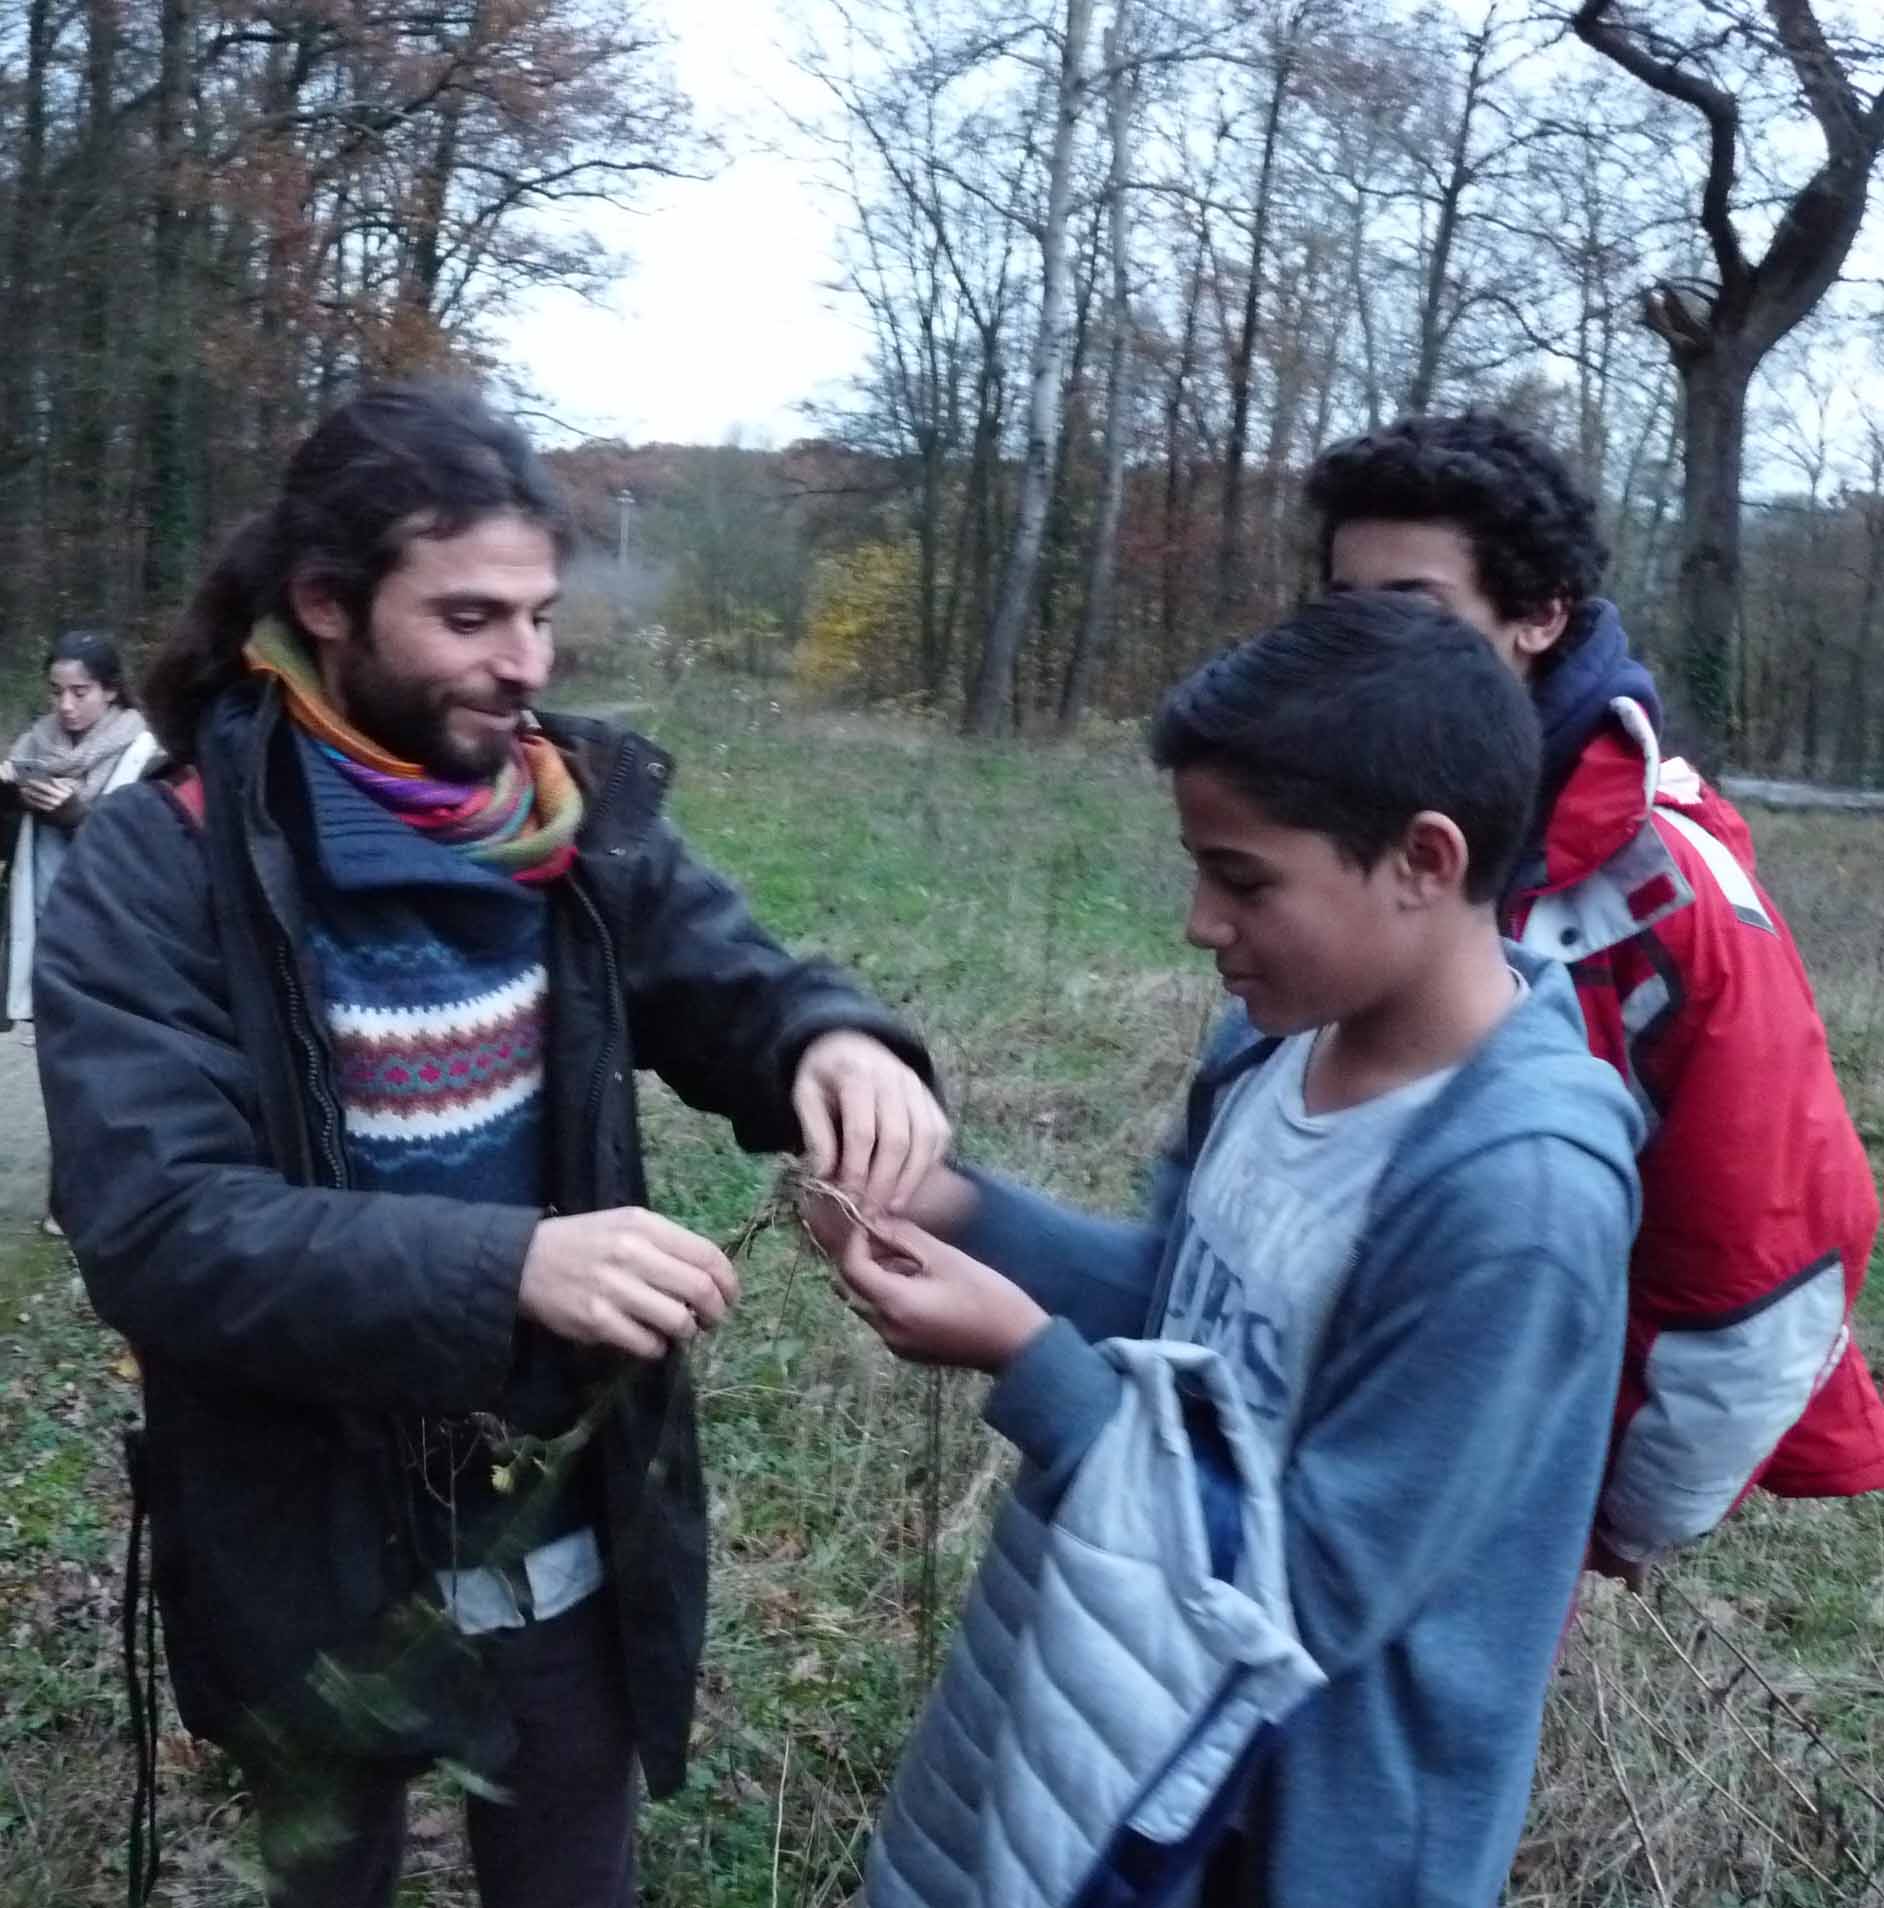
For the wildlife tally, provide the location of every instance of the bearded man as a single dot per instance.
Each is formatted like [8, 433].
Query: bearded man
[339, 1025]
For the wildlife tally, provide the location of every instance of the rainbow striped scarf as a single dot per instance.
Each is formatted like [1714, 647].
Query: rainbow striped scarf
[522, 822]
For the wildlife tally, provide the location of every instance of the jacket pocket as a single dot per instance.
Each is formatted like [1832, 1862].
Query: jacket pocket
[292, 1610]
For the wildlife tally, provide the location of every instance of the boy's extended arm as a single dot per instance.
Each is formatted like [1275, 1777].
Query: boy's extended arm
[1096, 1273]
[1096, 1277]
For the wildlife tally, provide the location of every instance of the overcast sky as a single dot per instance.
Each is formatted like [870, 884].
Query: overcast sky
[721, 322]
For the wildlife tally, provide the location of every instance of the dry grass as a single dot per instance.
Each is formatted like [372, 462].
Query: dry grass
[1023, 904]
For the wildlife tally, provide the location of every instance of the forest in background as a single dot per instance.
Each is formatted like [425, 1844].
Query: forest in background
[1127, 265]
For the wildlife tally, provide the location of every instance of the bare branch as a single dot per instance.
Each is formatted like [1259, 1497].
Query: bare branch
[1596, 24]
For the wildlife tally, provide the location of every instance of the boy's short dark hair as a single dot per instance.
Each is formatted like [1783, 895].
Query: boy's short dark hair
[1353, 715]
[1531, 525]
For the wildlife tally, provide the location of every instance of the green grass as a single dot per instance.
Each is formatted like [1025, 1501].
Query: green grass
[1022, 905]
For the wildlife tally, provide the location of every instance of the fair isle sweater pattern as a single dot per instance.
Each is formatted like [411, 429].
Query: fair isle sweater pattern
[438, 1055]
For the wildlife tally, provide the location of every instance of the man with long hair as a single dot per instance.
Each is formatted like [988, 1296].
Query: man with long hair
[339, 1026]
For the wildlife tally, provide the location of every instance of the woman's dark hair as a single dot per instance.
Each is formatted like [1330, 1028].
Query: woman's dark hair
[1531, 525]
[96, 651]
[1356, 713]
[420, 459]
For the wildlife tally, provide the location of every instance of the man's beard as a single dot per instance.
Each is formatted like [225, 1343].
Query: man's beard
[410, 720]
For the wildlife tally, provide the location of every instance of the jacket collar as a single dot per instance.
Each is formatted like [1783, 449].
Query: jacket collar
[1605, 874]
[1574, 699]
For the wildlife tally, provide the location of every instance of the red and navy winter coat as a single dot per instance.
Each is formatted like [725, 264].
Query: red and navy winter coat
[1759, 1207]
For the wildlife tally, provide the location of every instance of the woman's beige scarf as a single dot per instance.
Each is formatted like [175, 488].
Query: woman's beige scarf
[46, 753]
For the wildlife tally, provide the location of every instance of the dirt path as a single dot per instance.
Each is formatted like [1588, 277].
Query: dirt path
[22, 1135]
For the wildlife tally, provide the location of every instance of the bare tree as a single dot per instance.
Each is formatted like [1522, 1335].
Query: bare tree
[1102, 564]
[1283, 68]
[991, 699]
[1718, 328]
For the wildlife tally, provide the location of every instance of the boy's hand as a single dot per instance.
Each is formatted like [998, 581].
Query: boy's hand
[869, 1123]
[1606, 1563]
[929, 1302]
[942, 1203]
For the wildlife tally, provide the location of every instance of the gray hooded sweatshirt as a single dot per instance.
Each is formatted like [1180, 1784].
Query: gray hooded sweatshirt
[1443, 1459]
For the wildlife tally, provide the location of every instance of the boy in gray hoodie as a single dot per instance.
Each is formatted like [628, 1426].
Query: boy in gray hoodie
[1401, 1211]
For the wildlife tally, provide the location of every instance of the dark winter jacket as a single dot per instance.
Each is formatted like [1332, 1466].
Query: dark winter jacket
[287, 1326]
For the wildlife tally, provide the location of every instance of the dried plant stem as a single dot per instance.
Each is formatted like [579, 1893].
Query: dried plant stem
[1608, 1740]
[1668, 1741]
[1839, 1762]
[798, 1186]
[778, 1827]
[1718, 1699]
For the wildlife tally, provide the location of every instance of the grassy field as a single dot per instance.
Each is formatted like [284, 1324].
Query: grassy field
[1709, 1745]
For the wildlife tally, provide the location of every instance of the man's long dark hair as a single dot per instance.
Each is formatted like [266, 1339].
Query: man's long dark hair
[397, 462]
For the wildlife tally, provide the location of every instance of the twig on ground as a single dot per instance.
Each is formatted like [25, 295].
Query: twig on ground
[1717, 1698]
[1668, 1741]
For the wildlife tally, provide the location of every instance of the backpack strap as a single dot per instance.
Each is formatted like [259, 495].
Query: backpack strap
[144, 1855]
[184, 786]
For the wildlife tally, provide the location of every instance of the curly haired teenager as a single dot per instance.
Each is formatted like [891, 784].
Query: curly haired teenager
[1758, 1202]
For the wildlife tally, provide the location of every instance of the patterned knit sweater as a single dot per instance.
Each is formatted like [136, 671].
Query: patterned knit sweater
[434, 989]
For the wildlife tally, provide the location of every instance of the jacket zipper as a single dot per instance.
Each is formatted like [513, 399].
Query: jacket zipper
[598, 1081]
[612, 968]
[332, 1156]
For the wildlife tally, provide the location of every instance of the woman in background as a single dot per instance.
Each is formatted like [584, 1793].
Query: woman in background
[91, 742]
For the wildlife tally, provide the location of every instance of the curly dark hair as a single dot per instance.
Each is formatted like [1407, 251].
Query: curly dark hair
[1531, 525]
[425, 458]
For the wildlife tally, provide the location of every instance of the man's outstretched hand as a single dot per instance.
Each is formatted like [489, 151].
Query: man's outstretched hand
[868, 1122]
[626, 1278]
[930, 1302]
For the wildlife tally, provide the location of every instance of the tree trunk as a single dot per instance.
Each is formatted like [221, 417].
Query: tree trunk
[991, 702]
[1229, 584]
[1854, 721]
[417, 325]
[1433, 329]
[1178, 457]
[90, 390]
[168, 513]
[1089, 646]
[1718, 334]
[1714, 418]
[968, 569]
[1056, 546]
[19, 325]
